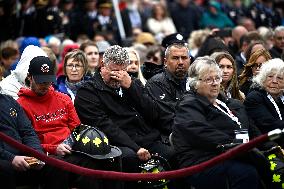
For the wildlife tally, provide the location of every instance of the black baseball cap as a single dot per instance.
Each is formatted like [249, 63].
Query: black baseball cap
[175, 38]
[42, 69]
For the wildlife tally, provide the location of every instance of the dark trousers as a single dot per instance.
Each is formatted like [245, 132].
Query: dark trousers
[84, 182]
[230, 174]
[131, 162]
[47, 177]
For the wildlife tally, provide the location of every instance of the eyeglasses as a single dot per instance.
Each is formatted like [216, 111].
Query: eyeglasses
[76, 66]
[257, 66]
[211, 80]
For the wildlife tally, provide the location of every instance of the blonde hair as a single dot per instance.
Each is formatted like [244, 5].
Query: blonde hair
[140, 75]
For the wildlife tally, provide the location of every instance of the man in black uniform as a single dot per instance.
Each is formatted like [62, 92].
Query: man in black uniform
[168, 87]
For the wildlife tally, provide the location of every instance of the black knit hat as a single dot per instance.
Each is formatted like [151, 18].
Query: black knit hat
[42, 69]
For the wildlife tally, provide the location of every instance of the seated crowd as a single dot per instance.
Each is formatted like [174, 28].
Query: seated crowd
[130, 104]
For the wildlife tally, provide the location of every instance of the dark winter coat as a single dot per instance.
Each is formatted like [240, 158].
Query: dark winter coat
[126, 119]
[167, 91]
[199, 128]
[14, 123]
[276, 52]
[262, 111]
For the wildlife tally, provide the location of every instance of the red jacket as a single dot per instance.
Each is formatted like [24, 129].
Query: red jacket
[53, 116]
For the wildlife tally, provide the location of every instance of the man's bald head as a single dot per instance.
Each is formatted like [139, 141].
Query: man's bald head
[237, 33]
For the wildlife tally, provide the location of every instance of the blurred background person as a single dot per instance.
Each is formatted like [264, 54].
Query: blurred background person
[196, 39]
[214, 17]
[254, 46]
[8, 56]
[252, 68]
[160, 24]
[92, 52]
[134, 68]
[153, 63]
[277, 50]
[186, 16]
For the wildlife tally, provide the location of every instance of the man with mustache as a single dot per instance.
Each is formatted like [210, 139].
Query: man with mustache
[168, 87]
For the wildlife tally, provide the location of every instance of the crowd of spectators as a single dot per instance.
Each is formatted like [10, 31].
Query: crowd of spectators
[151, 70]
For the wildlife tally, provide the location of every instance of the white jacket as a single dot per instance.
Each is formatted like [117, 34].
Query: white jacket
[12, 83]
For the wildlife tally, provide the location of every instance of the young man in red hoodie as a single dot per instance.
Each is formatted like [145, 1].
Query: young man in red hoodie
[52, 113]
[53, 116]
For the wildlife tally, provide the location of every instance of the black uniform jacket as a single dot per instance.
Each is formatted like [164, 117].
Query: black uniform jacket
[166, 91]
[15, 123]
[262, 111]
[127, 120]
[199, 128]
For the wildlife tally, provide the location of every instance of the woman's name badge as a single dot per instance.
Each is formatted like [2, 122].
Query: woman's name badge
[242, 134]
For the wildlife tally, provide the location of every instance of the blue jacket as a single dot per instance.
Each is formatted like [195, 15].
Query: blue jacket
[61, 85]
[14, 123]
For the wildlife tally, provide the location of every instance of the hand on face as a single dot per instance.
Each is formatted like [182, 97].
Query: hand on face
[122, 77]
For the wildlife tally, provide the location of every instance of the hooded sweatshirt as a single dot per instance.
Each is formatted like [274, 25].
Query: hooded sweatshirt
[12, 83]
[53, 116]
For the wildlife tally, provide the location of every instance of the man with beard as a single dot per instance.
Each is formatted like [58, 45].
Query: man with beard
[167, 87]
[119, 106]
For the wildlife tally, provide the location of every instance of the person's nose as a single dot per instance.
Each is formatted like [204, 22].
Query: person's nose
[274, 79]
[225, 70]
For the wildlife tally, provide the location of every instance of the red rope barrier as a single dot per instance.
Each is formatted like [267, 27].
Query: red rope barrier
[135, 176]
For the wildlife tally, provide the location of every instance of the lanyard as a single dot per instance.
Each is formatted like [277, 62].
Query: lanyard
[228, 112]
[275, 105]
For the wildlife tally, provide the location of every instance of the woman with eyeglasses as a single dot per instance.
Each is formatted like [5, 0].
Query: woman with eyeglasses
[265, 102]
[75, 68]
[229, 84]
[205, 123]
[252, 68]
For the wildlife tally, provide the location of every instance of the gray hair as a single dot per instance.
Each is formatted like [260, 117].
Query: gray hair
[117, 55]
[177, 45]
[200, 68]
[278, 29]
[275, 66]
